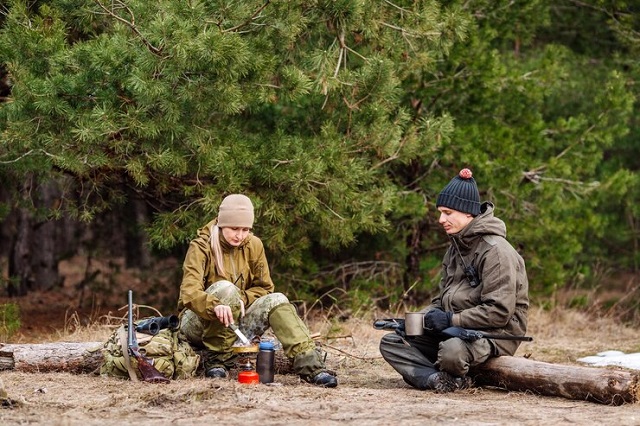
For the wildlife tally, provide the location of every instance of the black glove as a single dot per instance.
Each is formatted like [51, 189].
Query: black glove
[394, 324]
[437, 320]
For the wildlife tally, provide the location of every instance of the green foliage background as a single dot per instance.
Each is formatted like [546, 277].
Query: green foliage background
[342, 120]
[9, 320]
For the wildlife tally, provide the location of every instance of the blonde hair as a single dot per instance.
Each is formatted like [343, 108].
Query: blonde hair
[217, 250]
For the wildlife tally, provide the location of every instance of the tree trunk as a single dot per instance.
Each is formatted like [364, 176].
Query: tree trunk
[35, 253]
[7, 226]
[46, 249]
[35, 243]
[51, 357]
[602, 385]
[20, 272]
[138, 254]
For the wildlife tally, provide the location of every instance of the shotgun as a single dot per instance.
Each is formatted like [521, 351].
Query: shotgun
[145, 366]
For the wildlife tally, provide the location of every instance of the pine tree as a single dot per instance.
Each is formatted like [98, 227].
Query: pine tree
[297, 104]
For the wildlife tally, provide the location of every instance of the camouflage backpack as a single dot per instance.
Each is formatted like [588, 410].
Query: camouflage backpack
[173, 357]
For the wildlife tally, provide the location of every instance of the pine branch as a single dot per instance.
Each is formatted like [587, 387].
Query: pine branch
[26, 154]
[248, 21]
[130, 24]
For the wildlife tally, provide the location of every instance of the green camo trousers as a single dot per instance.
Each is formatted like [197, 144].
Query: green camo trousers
[272, 310]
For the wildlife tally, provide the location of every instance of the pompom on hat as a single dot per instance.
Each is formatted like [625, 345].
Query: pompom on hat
[461, 194]
[236, 211]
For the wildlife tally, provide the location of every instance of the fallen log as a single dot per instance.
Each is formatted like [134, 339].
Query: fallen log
[51, 357]
[601, 385]
[78, 357]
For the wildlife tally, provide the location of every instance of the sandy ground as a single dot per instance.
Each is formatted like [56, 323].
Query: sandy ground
[370, 392]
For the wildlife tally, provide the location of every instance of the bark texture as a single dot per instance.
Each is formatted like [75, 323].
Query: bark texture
[595, 384]
[83, 357]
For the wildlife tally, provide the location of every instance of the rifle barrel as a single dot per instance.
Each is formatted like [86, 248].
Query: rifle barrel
[507, 337]
[130, 336]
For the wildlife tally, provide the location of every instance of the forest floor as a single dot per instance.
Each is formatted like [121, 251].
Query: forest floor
[369, 392]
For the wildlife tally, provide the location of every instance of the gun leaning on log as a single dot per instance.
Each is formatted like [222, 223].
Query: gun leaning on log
[145, 366]
[397, 324]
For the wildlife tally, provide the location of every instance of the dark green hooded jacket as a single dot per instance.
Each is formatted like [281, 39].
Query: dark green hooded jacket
[500, 302]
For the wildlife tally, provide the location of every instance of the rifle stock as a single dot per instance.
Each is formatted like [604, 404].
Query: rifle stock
[147, 371]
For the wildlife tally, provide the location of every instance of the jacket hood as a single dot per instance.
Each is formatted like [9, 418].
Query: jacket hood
[483, 224]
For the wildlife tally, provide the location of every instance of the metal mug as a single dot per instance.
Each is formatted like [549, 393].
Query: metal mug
[414, 323]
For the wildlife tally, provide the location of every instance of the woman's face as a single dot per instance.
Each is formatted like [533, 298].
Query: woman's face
[235, 236]
[453, 221]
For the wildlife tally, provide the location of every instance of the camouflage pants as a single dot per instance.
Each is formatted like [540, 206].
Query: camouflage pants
[272, 310]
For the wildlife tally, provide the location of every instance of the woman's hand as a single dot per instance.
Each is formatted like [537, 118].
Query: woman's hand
[225, 315]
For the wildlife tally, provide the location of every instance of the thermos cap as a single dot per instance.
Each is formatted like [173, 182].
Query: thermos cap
[266, 346]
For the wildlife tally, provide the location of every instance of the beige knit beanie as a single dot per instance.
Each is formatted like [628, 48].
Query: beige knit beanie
[236, 211]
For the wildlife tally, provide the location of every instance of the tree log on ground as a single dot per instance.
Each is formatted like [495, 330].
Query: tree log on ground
[595, 384]
[82, 357]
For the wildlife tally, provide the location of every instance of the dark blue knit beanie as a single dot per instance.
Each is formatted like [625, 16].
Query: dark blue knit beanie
[461, 194]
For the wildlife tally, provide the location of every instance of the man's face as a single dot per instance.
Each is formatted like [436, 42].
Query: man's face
[453, 221]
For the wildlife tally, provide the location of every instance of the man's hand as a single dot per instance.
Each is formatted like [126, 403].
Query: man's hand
[437, 320]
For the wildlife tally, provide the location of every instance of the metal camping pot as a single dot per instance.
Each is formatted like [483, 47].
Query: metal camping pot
[414, 323]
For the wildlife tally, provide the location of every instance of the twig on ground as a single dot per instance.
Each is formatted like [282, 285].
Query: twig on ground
[324, 345]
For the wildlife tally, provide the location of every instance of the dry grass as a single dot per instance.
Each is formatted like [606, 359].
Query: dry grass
[370, 392]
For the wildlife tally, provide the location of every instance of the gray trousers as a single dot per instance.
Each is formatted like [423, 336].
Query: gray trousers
[416, 358]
